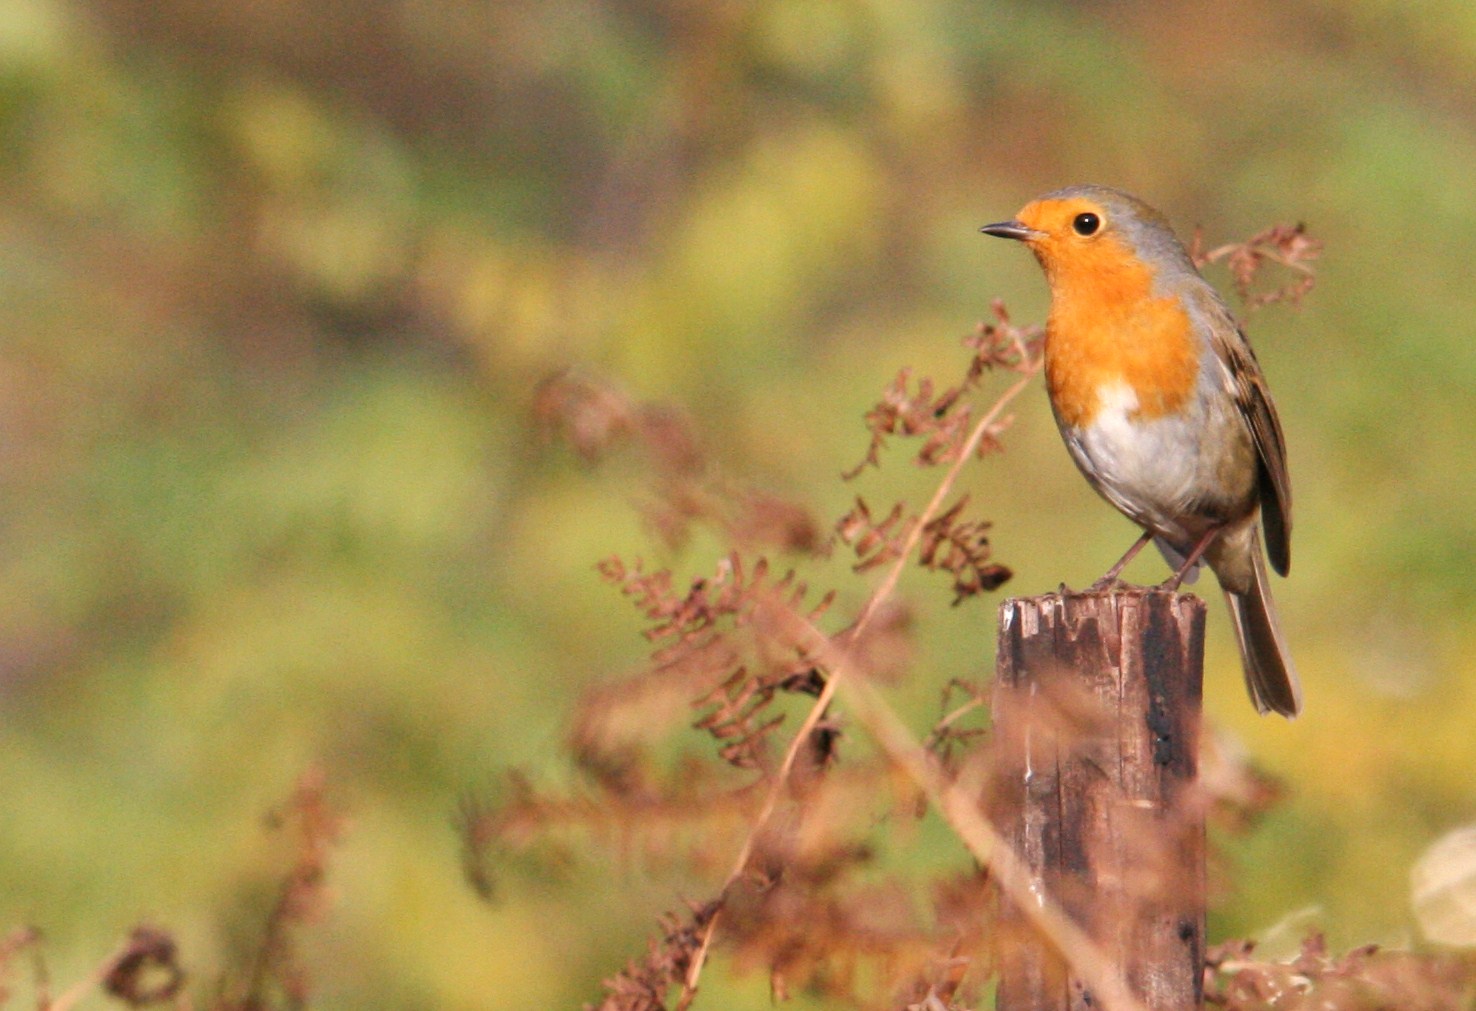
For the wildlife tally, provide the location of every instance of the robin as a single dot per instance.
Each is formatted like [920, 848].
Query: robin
[1164, 408]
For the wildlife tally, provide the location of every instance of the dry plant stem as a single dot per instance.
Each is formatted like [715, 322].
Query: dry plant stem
[94, 979]
[957, 714]
[827, 693]
[945, 487]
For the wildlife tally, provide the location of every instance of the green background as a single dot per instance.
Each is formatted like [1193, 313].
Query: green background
[276, 283]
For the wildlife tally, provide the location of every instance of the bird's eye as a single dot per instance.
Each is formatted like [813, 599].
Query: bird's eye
[1086, 223]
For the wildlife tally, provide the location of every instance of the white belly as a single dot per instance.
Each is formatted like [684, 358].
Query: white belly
[1152, 470]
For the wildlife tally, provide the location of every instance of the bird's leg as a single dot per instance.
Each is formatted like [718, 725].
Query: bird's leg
[1110, 579]
[1171, 584]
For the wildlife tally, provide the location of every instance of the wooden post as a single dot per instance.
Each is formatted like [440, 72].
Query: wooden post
[1096, 713]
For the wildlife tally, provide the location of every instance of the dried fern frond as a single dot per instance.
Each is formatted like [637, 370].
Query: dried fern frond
[943, 421]
[1287, 246]
[1364, 979]
[646, 985]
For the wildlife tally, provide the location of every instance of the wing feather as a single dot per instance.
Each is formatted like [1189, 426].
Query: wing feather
[1254, 401]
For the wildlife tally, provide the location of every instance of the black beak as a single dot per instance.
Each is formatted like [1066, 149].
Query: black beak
[1012, 230]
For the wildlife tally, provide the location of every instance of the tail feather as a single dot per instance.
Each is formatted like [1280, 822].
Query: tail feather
[1269, 675]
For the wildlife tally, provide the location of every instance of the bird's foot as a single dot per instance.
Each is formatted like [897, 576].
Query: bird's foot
[1107, 584]
[1171, 584]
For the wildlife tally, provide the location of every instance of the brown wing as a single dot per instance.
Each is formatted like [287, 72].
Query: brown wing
[1254, 400]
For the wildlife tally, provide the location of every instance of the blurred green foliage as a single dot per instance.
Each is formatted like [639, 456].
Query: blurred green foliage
[276, 281]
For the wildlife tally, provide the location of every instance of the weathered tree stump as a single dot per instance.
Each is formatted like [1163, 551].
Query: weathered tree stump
[1096, 712]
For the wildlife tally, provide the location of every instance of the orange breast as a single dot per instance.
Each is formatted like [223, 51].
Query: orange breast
[1107, 327]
